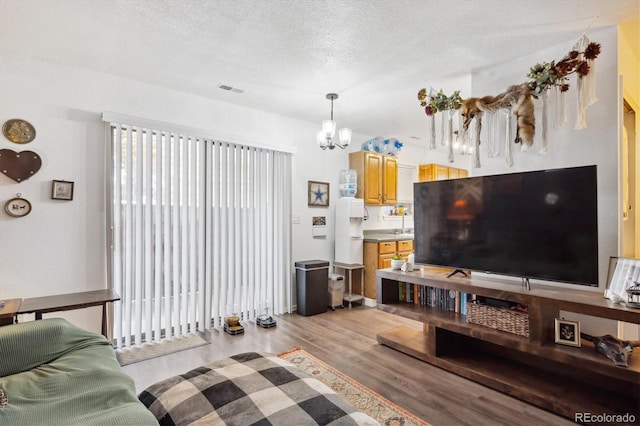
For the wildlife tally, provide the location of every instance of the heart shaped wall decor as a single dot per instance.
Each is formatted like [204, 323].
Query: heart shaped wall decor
[19, 166]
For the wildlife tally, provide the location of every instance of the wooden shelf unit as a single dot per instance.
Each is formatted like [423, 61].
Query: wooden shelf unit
[563, 379]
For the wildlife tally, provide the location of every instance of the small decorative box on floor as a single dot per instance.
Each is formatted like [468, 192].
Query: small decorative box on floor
[514, 319]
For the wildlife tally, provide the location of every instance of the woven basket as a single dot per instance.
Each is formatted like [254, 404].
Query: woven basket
[509, 320]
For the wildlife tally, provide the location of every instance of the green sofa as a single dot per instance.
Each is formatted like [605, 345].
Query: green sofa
[54, 373]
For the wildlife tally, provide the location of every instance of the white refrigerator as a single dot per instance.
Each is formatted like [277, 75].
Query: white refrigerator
[349, 235]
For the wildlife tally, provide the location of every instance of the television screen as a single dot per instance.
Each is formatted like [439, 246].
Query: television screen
[540, 224]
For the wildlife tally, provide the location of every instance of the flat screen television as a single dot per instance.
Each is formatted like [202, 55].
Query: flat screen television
[534, 225]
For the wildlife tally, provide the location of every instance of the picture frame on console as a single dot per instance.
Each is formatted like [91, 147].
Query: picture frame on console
[567, 332]
[623, 273]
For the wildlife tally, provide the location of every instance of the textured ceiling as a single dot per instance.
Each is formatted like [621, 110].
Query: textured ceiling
[286, 55]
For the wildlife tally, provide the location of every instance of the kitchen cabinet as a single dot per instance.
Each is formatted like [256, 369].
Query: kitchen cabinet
[377, 177]
[378, 255]
[430, 172]
[386, 251]
[385, 255]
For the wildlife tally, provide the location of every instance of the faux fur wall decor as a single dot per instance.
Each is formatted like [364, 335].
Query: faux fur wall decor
[518, 99]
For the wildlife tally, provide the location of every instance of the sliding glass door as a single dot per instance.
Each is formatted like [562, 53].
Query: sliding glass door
[196, 225]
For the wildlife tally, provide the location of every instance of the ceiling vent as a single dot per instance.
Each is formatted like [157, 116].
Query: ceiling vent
[230, 89]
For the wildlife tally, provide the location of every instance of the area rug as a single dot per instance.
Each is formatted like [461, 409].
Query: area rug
[364, 399]
[156, 349]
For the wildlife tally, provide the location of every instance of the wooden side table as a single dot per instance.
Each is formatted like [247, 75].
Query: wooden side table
[9, 311]
[70, 301]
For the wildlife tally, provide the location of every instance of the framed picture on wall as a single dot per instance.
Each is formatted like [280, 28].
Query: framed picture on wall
[318, 194]
[62, 190]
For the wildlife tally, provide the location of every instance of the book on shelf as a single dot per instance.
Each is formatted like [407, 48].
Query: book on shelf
[433, 297]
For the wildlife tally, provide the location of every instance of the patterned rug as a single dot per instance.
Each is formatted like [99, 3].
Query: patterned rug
[146, 351]
[364, 399]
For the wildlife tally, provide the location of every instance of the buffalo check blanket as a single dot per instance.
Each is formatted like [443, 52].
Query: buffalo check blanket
[249, 389]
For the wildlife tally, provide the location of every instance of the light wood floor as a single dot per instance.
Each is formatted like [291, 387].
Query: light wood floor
[346, 340]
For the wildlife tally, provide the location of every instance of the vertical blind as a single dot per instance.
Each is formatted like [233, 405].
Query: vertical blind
[197, 226]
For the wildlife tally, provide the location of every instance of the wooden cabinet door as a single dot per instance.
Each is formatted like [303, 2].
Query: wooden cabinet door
[387, 247]
[373, 179]
[457, 173]
[441, 172]
[424, 172]
[384, 260]
[386, 251]
[405, 247]
[390, 180]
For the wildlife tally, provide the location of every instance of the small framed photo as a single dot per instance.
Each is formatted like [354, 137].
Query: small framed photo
[62, 190]
[318, 194]
[567, 332]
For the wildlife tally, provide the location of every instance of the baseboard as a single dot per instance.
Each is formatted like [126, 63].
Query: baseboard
[367, 302]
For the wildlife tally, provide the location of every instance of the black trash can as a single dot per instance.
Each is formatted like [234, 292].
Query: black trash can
[311, 286]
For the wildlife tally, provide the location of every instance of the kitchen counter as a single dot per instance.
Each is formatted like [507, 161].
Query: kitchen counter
[379, 237]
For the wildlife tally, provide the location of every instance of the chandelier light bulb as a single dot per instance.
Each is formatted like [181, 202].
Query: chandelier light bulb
[345, 136]
[329, 128]
[321, 138]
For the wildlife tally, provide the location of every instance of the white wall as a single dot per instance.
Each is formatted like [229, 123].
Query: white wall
[417, 151]
[597, 144]
[60, 246]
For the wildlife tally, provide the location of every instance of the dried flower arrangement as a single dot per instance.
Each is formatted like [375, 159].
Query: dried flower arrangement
[433, 103]
[548, 74]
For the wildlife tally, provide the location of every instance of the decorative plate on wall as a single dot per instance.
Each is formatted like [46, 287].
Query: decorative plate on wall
[18, 131]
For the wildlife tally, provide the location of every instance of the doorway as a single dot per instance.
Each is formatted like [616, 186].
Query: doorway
[630, 152]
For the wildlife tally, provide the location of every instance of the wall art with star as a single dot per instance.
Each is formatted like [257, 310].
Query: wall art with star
[318, 194]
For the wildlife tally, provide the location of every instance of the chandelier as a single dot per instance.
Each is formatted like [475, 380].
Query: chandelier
[325, 136]
[464, 147]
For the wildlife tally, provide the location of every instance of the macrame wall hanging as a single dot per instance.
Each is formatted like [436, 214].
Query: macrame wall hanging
[547, 81]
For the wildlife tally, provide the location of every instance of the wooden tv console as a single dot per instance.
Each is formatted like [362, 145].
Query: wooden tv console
[563, 379]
